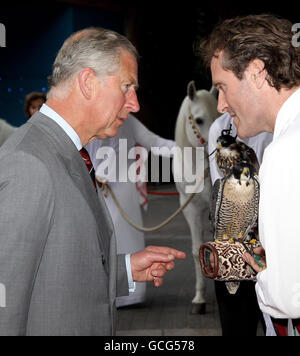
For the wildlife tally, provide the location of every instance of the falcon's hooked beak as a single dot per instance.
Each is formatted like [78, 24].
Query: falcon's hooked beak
[246, 173]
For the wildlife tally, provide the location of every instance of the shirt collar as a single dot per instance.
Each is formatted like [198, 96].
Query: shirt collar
[46, 110]
[287, 113]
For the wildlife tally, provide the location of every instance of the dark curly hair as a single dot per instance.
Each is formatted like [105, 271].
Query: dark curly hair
[265, 37]
[30, 98]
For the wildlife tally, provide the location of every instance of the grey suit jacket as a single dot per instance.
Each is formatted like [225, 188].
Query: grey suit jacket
[58, 259]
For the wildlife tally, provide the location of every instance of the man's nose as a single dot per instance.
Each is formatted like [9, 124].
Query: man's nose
[132, 102]
[222, 104]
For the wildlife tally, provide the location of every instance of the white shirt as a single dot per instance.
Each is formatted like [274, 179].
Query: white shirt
[257, 143]
[278, 287]
[46, 110]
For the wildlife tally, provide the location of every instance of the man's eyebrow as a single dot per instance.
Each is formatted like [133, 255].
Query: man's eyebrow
[133, 82]
[217, 84]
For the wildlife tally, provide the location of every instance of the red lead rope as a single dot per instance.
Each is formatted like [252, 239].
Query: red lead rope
[161, 193]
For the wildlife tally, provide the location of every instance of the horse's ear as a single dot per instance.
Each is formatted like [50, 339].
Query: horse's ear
[214, 91]
[191, 90]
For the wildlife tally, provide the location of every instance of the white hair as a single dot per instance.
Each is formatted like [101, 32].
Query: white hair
[95, 48]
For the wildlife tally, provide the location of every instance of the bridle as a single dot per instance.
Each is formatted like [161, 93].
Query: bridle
[193, 124]
[197, 133]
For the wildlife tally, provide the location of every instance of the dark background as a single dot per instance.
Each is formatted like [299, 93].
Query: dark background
[165, 34]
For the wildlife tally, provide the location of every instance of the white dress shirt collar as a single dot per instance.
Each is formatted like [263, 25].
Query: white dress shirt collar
[287, 114]
[46, 110]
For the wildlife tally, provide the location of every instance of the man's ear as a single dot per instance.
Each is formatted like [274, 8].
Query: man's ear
[86, 81]
[257, 71]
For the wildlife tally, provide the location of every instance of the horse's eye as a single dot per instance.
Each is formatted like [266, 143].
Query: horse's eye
[199, 121]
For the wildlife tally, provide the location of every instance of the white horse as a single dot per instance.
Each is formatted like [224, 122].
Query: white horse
[197, 113]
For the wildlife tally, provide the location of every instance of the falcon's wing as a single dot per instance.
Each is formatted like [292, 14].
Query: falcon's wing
[249, 155]
[256, 200]
[255, 206]
[215, 201]
[235, 155]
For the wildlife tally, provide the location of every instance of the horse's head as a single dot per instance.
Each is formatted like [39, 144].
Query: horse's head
[198, 110]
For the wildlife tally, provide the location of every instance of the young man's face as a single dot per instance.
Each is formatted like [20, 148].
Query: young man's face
[238, 98]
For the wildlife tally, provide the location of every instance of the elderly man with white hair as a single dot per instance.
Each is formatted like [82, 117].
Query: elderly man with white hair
[58, 259]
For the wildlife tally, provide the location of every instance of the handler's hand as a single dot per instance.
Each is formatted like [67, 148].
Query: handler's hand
[153, 263]
[251, 261]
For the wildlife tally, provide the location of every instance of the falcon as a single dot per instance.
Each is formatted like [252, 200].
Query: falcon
[234, 203]
[229, 152]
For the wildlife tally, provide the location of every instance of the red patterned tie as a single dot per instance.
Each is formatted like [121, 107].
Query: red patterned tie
[85, 155]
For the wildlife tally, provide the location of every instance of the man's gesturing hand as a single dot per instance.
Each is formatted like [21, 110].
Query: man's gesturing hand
[153, 263]
[257, 266]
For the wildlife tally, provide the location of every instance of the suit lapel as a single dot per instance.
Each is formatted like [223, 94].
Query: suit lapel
[80, 176]
[82, 180]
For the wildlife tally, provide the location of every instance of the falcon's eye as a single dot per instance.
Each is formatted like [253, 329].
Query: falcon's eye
[199, 121]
